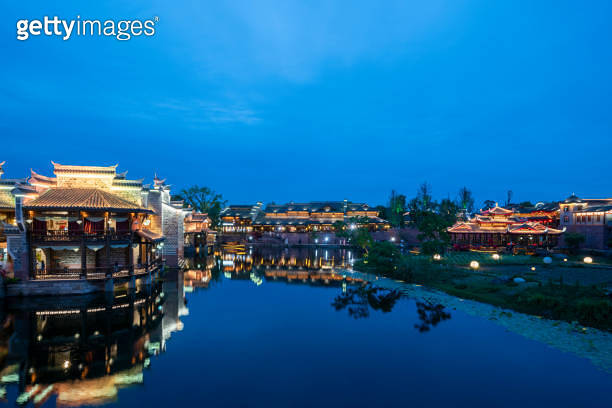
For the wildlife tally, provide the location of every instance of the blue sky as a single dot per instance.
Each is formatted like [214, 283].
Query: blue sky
[314, 100]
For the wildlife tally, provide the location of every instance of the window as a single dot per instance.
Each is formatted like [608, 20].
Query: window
[566, 218]
[598, 218]
[589, 218]
[566, 208]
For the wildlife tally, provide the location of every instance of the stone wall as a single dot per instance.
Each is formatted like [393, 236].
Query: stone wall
[596, 235]
[17, 247]
[173, 230]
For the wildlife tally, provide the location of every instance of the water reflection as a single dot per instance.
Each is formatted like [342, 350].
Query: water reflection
[430, 314]
[82, 350]
[358, 301]
[311, 266]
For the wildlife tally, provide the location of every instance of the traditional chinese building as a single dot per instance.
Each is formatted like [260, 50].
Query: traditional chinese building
[313, 222]
[91, 223]
[543, 213]
[498, 228]
[198, 234]
[590, 217]
[318, 216]
[239, 218]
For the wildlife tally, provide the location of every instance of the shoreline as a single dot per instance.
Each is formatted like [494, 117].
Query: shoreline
[590, 343]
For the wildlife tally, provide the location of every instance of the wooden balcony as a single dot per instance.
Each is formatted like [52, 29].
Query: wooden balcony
[98, 273]
[78, 236]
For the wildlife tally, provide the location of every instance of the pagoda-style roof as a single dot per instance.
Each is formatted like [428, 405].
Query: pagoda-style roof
[77, 170]
[532, 228]
[82, 199]
[497, 210]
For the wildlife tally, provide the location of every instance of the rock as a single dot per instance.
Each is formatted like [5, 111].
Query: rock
[519, 280]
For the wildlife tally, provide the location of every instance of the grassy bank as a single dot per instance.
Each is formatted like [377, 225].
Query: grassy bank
[554, 299]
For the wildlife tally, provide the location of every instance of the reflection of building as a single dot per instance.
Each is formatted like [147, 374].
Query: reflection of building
[590, 217]
[499, 227]
[88, 223]
[82, 351]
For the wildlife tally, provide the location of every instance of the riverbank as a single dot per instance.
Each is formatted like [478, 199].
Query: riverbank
[520, 287]
[593, 344]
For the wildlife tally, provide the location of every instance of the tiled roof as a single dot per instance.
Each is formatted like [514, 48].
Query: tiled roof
[149, 235]
[7, 201]
[69, 169]
[596, 208]
[82, 199]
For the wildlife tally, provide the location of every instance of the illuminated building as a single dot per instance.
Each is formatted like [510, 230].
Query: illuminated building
[498, 227]
[590, 217]
[90, 223]
[239, 218]
[317, 217]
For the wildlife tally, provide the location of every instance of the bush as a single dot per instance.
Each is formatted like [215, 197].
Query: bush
[595, 312]
[542, 301]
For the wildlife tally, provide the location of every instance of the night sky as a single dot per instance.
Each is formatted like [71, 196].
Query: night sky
[321, 100]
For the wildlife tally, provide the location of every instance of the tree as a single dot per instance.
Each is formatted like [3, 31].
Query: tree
[396, 210]
[526, 204]
[340, 229]
[432, 219]
[573, 241]
[489, 204]
[362, 238]
[466, 200]
[204, 200]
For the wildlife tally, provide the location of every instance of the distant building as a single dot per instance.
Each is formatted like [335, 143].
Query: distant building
[498, 228]
[590, 217]
[318, 216]
[239, 218]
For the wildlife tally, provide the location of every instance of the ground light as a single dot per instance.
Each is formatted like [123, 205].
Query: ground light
[533, 268]
[588, 260]
[474, 265]
[496, 257]
[437, 257]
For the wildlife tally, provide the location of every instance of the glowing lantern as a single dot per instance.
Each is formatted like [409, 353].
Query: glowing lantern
[496, 257]
[588, 260]
[474, 265]
[533, 268]
[437, 257]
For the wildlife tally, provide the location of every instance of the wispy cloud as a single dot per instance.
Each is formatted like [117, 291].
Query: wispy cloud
[196, 112]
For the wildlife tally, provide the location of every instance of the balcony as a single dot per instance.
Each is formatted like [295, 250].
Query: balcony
[97, 273]
[78, 236]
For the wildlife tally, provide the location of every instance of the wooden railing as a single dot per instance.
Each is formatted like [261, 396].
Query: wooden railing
[97, 273]
[57, 235]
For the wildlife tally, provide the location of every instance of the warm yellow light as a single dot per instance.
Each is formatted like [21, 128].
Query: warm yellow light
[588, 260]
[437, 257]
[66, 364]
[496, 257]
[533, 268]
[474, 265]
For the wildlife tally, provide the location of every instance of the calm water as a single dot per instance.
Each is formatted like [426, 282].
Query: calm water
[277, 329]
